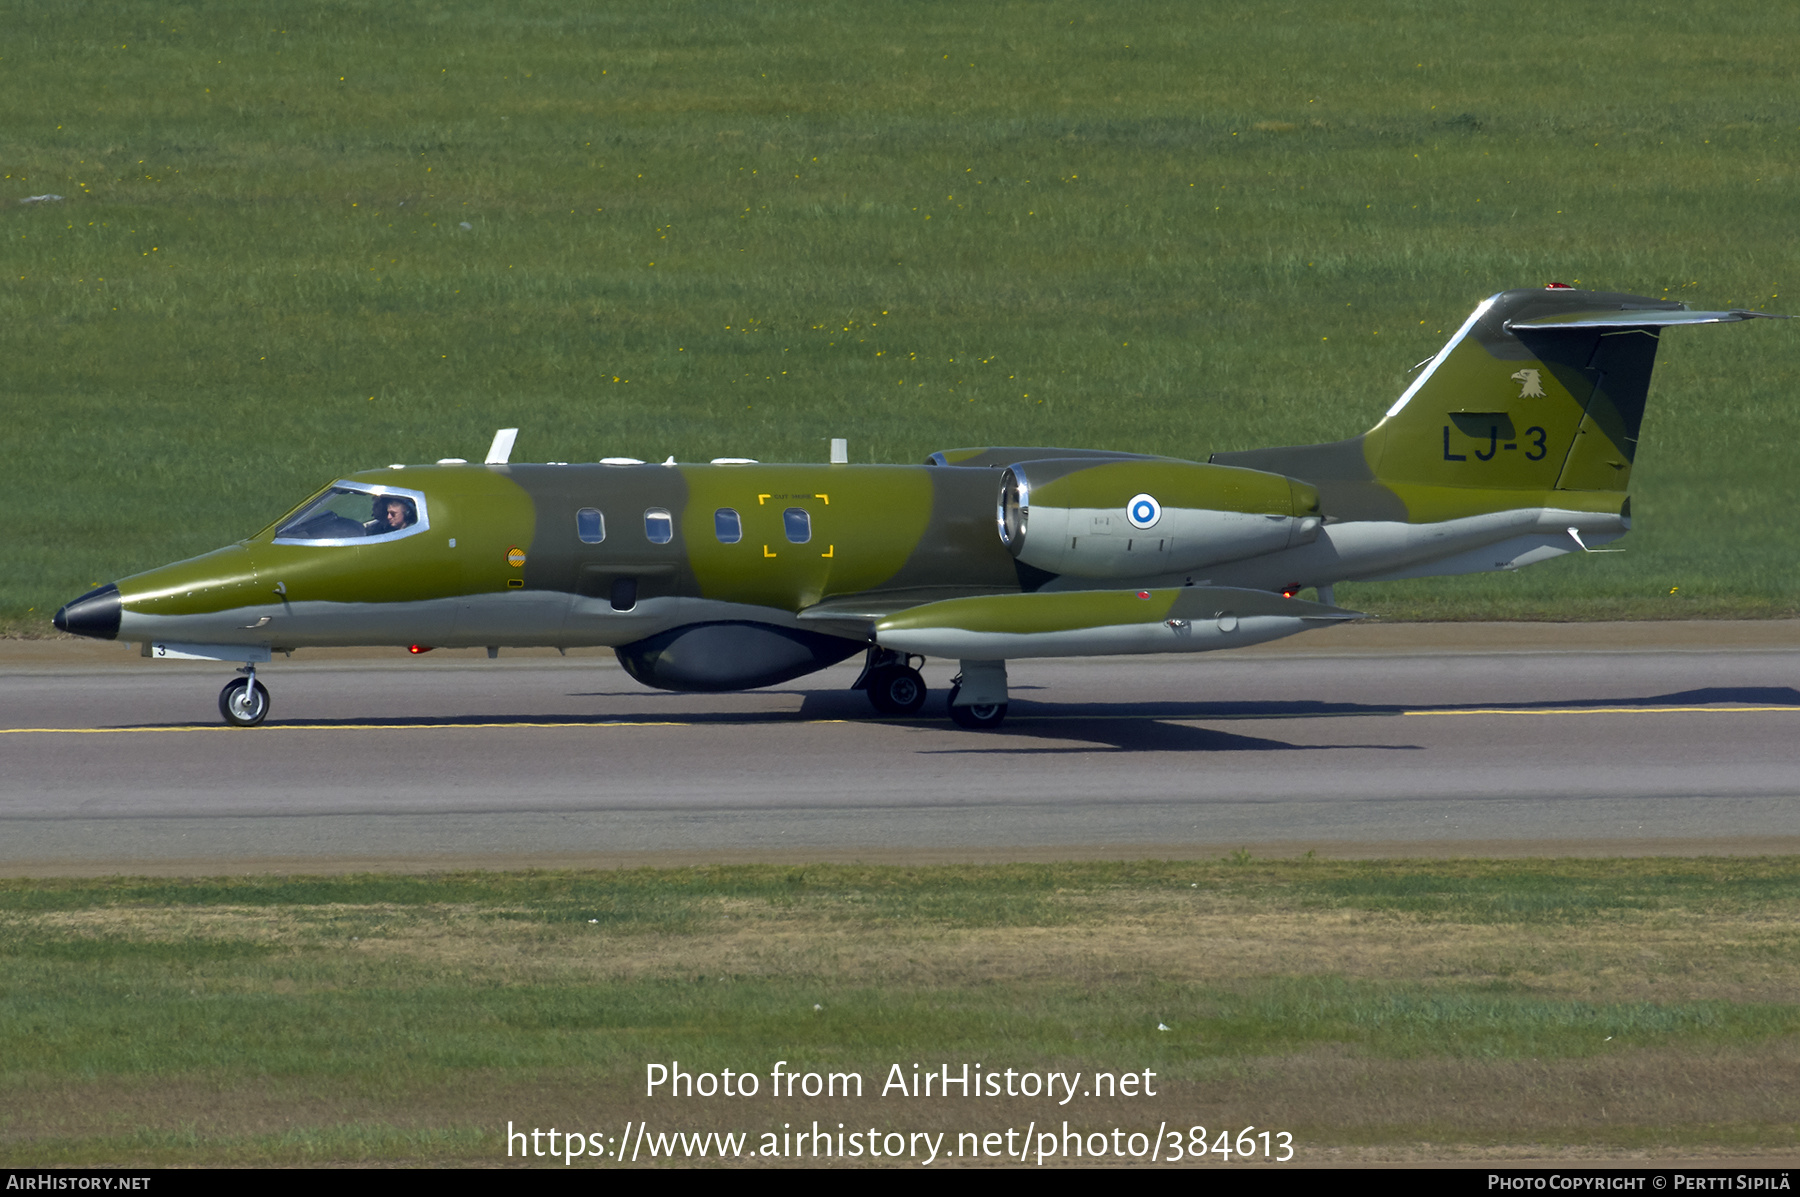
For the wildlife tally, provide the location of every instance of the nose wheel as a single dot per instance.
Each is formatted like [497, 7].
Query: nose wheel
[244, 701]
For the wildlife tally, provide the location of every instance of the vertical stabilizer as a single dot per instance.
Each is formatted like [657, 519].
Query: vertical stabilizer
[1538, 391]
[1526, 396]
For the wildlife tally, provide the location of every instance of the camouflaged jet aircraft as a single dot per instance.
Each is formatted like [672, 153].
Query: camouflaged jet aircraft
[1514, 445]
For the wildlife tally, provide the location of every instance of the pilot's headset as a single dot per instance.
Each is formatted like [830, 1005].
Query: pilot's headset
[381, 506]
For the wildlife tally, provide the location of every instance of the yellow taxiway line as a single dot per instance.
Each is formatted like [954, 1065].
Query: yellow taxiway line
[1607, 711]
[597, 723]
[220, 727]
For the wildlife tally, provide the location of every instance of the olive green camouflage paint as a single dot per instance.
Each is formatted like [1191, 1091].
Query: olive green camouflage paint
[872, 528]
[1079, 484]
[484, 509]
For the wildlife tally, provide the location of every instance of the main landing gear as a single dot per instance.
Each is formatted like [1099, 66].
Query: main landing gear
[977, 694]
[244, 701]
[892, 682]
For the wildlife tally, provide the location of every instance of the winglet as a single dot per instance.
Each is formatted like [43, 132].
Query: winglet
[500, 452]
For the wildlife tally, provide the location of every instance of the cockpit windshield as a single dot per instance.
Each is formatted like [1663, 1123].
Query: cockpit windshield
[355, 513]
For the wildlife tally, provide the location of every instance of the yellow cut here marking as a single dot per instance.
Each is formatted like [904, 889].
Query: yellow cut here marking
[832, 551]
[827, 499]
[766, 552]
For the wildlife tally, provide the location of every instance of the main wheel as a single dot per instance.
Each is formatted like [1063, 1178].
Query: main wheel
[982, 717]
[896, 690]
[241, 704]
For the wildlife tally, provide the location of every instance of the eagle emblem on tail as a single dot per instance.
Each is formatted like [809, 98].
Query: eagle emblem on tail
[1530, 387]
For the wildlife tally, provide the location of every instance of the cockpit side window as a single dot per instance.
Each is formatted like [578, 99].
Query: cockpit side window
[350, 513]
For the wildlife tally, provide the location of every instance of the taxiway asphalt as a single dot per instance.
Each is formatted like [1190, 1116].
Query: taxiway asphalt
[1380, 740]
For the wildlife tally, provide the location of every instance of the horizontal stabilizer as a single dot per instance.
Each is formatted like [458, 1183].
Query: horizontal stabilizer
[991, 457]
[1071, 623]
[1634, 318]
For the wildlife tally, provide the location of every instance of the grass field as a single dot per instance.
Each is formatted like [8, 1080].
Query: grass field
[1384, 1010]
[293, 242]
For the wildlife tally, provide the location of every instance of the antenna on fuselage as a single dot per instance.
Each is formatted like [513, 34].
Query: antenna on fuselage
[501, 450]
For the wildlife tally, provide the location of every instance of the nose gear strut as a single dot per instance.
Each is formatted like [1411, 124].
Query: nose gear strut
[244, 701]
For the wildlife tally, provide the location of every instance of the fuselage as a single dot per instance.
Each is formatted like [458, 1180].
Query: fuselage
[572, 555]
[607, 555]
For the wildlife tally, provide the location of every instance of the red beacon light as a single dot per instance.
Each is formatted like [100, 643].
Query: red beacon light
[416, 649]
[1557, 287]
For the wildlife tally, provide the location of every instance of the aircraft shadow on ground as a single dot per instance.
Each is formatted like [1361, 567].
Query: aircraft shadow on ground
[1095, 727]
[1305, 708]
[1164, 726]
[1135, 735]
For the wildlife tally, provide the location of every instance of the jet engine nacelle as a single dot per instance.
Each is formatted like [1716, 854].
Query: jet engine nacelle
[1135, 519]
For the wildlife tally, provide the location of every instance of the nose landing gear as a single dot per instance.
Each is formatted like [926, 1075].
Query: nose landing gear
[244, 701]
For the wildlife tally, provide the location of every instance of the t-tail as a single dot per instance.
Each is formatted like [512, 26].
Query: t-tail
[1514, 444]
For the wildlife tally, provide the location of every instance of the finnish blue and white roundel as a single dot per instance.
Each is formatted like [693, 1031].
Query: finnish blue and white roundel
[1143, 512]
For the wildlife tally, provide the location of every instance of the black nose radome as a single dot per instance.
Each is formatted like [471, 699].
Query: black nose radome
[95, 614]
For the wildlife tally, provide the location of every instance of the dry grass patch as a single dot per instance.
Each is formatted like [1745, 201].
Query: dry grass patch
[1535, 1007]
[1206, 937]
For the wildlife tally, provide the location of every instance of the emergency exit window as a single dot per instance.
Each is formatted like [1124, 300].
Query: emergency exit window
[799, 525]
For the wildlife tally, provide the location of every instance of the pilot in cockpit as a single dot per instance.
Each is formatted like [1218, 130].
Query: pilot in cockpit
[392, 513]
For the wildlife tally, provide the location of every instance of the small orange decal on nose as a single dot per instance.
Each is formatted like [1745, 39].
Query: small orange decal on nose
[515, 557]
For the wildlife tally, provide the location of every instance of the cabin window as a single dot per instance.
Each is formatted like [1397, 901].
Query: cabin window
[350, 513]
[798, 524]
[727, 526]
[590, 525]
[658, 527]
